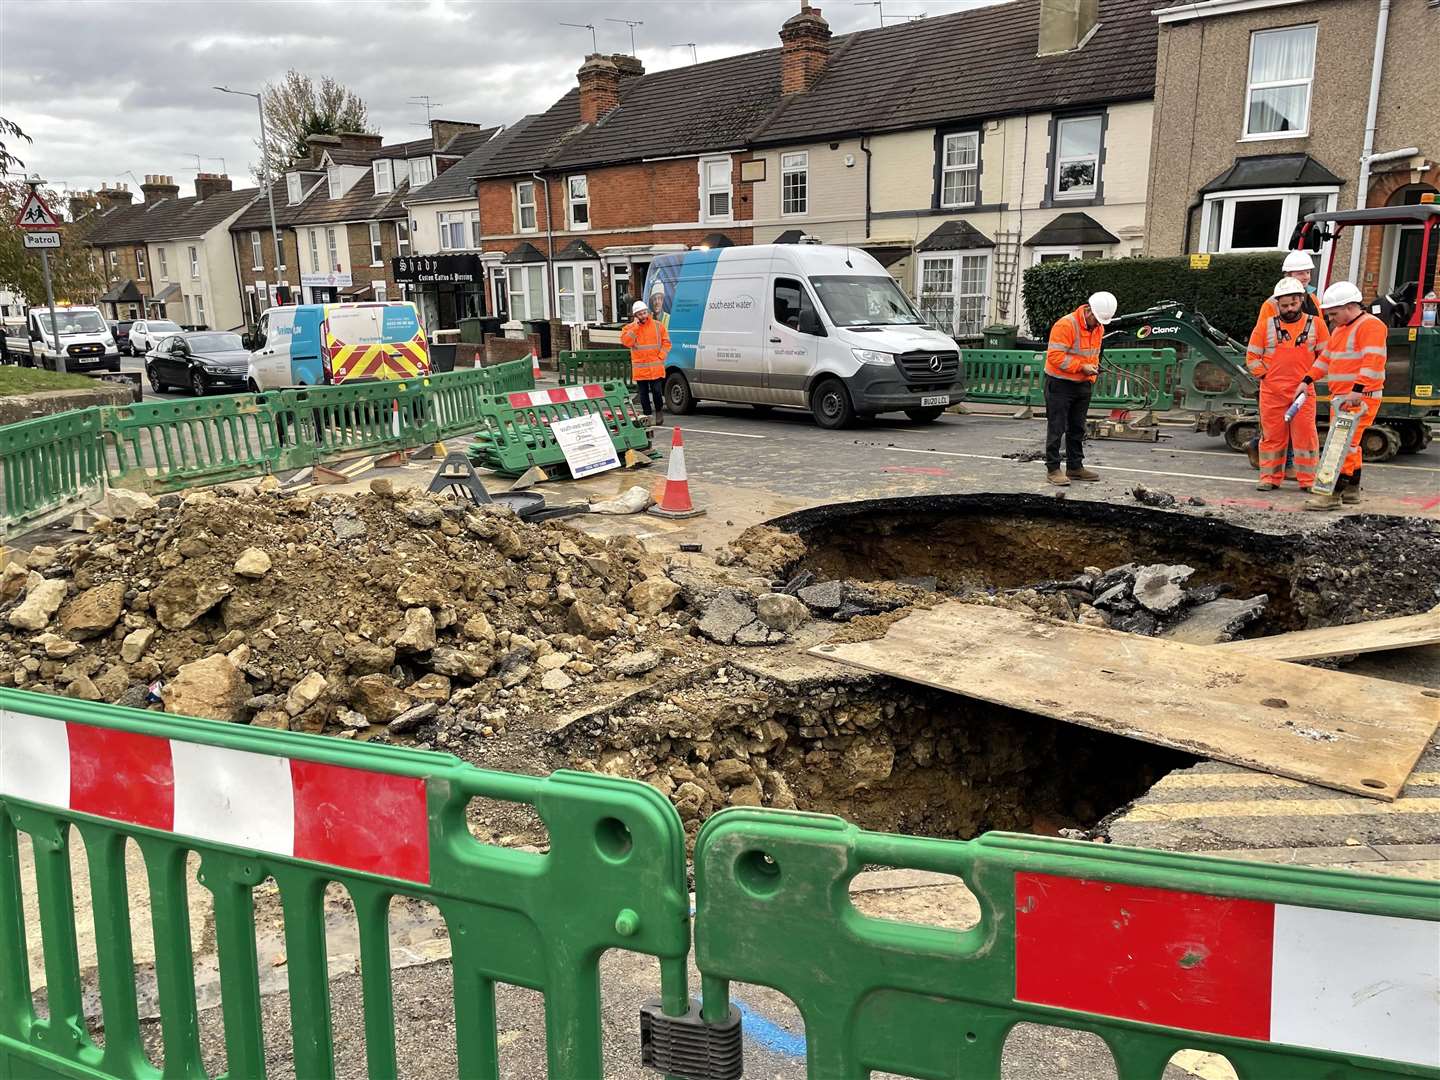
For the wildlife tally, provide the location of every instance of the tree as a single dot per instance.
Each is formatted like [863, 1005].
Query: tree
[10, 129]
[70, 269]
[297, 107]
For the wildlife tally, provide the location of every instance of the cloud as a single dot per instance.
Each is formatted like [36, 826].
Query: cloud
[127, 89]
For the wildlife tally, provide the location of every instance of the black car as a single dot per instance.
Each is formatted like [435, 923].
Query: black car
[202, 360]
[120, 330]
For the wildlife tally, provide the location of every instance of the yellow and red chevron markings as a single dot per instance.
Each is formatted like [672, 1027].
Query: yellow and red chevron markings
[388, 360]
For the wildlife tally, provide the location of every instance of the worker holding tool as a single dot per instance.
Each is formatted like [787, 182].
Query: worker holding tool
[1353, 363]
[649, 345]
[1282, 355]
[1072, 363]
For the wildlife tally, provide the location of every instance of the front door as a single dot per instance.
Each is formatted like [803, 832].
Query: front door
[791, 343]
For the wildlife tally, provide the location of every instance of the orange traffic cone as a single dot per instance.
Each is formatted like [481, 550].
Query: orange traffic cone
[535, 365]
[675, 500]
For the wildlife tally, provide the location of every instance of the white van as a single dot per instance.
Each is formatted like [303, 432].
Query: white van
[85, 339]
[823, 328]
[331, 344]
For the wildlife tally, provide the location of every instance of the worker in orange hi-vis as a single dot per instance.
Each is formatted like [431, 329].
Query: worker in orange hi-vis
[1353, 363]
[1072, 363]
[1282, 354]
[649, 345]
[1300, 266]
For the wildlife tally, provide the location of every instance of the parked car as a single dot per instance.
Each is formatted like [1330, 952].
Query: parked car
[120, 331]
[203, 360]
[145, 334]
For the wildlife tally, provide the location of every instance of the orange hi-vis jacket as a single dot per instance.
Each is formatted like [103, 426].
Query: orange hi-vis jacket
[1281, 354]
[649, 345]
[1355, 357]
[1073, 347]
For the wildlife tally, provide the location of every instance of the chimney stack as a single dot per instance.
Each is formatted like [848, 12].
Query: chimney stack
[1064, 24]
[157, 187]
[599, 79]
[630, 66]
[360, 140]
[804, 49]
[207, 184]
[82, 203]
[113, 198]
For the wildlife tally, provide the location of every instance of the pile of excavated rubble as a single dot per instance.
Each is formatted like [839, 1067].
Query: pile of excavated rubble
[351, 615]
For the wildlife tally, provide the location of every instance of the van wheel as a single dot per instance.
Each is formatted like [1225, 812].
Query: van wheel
[831, 405]
[251, 386]
[926, 415]
[678, 398]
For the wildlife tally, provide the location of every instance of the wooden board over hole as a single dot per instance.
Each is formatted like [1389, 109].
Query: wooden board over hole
[1340, 731]
[1404, 632]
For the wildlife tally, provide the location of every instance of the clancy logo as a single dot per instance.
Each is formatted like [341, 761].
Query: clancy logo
[743, 302]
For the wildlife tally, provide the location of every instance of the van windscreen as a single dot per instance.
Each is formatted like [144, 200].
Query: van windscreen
[865, 301]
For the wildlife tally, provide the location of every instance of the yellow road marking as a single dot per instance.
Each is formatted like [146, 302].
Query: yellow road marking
[1355, 807]
[1258, 779]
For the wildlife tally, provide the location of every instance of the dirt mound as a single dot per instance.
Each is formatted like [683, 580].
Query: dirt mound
[763, 549]
[359, 616]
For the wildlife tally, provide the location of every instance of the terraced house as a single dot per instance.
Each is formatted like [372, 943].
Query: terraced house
[170, 256]
[342, 217]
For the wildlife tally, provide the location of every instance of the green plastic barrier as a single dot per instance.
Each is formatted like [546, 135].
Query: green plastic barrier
[516, 433]
[1001, 376]
[168, 445]
[459, 395]
[307, 811]
[580, 366]
[50, 464]
[1129, 378]
[369, 417]
[1292, 974]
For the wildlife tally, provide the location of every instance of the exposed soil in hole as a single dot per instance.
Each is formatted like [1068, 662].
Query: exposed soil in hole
[884, 754]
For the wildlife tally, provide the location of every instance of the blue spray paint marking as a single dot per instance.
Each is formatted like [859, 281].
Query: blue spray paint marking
[769, 1034]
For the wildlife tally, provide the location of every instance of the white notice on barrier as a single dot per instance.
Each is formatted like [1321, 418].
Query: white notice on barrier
[587, 445]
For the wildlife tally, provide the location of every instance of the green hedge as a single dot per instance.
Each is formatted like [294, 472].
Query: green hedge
[1229, 293]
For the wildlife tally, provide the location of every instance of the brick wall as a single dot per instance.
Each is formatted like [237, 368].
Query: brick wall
[361, 268]
[268, 273]
[498, 350]
[1382, 188]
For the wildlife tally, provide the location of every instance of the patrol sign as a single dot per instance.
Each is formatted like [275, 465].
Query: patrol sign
[42, 240]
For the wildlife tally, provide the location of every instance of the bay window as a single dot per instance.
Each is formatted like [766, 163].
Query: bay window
[526, 289]
[577, 292]
[953, 290]
[1259, 219]
[1277, 93]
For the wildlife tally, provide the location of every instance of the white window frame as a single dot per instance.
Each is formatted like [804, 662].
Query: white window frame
[521, 205]
[402, 238]
[796, 163]
[262, 290]
[572, 201]
[475, 229]
[707, 190]
[524, 277]
[456, 220]
[947, 170]
[332, 250]
[194, 253]
[294, 188]
[335, 181]
[161, 264]
[140, 267]
[314, 235]
[377, 252]
[1250, 86]
[1223, 203]
[114, 259]
[1093, 191]
[416, 171]
[199, 310]
[579, 293]
[1072, 252]
[257, 251]
[384, 176]
[378, 291]
[956, 261]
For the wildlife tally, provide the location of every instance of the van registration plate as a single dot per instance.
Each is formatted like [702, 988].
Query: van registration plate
[938, 399]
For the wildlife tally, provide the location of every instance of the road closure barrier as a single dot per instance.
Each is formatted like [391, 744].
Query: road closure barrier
[515, 433]
[579, 366]
[53, 465]
[1292, 974]
[308, 811]
[1144, 379]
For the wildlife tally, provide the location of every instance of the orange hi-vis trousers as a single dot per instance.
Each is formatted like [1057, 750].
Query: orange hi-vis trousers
[1276, 435]
[1353, 459]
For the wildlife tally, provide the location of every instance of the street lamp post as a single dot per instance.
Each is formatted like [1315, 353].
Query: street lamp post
[264, 168]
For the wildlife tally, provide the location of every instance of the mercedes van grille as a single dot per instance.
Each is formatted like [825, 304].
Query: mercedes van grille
[929, 366]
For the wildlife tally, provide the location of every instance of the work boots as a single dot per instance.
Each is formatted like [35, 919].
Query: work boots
[1333, 501]
[1350, 493]
[659, 415]
[1058, 478]
[1082, 473]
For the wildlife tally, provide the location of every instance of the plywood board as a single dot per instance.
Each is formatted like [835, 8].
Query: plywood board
[1325, 727]
[1380, 635]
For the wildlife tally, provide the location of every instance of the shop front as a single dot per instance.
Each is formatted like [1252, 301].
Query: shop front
[446, 288]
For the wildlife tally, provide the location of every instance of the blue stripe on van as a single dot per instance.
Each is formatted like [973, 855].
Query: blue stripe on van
[687, 304]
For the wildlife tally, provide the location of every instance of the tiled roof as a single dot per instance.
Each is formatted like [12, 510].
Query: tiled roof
[360, 203]
[969, 65]
[529, 150]
[955, 236]
[1070, 230]
[413, 148]
[1272, 170]
[466, 141]
[169, 219]
[454, 183]
[341, 155]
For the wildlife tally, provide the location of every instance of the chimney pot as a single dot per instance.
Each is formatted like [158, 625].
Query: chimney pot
[804, 49]
[207, 184]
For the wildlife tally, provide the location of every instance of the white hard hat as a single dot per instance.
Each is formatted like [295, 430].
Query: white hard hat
[1341, 293]
[639, 306]
[1102, 306]
[1288, 286]
[1298, 260]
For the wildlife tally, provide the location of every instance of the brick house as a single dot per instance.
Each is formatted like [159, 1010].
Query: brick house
[1286, 87]
[622, 168]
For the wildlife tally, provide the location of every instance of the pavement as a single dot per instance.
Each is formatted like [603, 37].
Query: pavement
[745, 468]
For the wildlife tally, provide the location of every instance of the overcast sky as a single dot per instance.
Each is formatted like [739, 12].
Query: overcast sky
[110, 88]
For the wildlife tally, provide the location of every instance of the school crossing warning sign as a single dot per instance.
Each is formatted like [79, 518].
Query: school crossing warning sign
[34, 214]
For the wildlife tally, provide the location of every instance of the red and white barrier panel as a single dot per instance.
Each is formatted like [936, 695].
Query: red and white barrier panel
[353, 818]
[523, 399]
[1339, 981]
